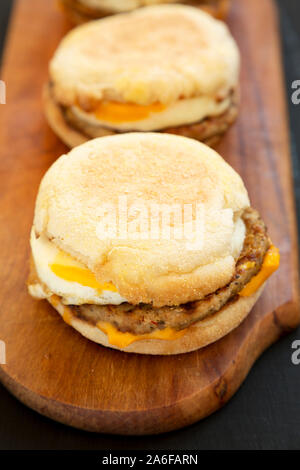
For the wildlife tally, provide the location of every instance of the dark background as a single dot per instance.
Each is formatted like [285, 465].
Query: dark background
[264, 414]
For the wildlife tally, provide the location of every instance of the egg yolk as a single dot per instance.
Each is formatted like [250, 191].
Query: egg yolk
[114, 112]
[270, 265]
[68, 269]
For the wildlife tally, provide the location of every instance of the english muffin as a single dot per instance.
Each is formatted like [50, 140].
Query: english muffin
[171, 69]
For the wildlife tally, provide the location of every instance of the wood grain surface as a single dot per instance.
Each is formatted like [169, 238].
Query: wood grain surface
[49, 366]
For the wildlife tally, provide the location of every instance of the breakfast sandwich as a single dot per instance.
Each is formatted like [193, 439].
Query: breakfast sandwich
[170, 68]
[80, 11]
[147, 243]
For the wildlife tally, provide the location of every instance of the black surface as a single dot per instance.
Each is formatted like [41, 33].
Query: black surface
[264, 414]
[5, 9]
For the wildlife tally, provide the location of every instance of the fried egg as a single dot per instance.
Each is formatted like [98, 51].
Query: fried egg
[66, 277]
[128, 116]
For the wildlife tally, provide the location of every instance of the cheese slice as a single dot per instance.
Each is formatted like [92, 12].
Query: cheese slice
[122, 340]
[67, 315]
[270, 265]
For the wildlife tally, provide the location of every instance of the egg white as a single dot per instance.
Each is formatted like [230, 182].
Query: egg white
[72, 293]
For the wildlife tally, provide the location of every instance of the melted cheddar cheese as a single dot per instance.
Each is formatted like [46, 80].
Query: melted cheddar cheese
[122, 340]
[269, 266]
[114, 112]
[65, 267]
[65, 311]
[67, 315]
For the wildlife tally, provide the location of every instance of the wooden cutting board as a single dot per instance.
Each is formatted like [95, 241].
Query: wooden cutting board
[52, 368]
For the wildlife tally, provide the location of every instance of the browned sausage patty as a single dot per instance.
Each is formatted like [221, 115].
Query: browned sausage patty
[144, 318]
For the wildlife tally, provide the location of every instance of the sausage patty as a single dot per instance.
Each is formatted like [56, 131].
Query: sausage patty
[144, 318]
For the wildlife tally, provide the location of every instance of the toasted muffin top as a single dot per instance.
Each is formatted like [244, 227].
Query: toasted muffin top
[157, 54]
[146, 170]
